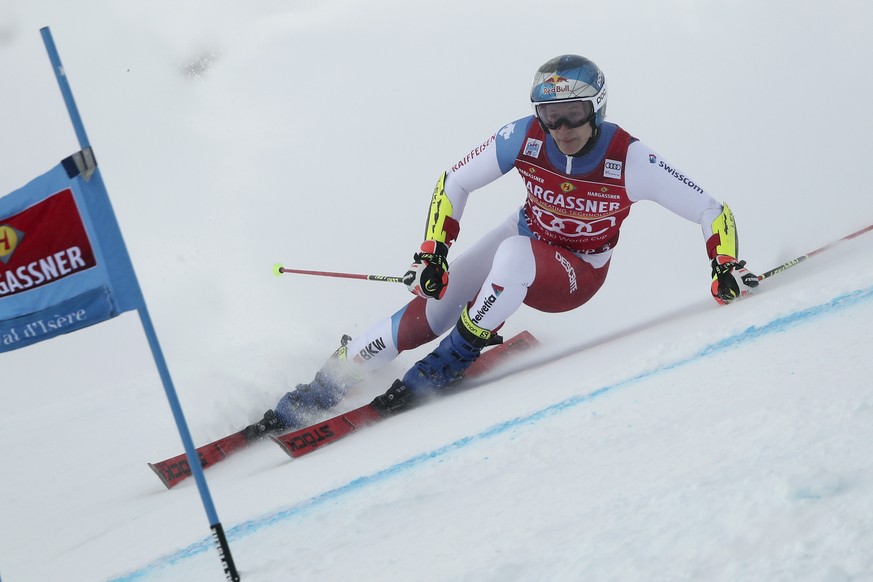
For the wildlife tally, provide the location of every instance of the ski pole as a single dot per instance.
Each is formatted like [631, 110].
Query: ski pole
[278, 269]
[802, 258]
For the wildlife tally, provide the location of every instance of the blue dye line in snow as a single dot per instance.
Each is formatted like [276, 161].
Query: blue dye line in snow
[752, 333]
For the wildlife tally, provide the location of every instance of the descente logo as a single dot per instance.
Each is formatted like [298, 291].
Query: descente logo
[571, 272]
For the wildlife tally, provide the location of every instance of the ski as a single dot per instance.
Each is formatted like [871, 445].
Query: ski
[306, 440]
[176, 469]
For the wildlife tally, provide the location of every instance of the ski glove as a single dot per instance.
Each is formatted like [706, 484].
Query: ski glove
[428, 276]
[730, 279]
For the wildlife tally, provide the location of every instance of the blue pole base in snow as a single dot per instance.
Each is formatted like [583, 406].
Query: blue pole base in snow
[224, 551]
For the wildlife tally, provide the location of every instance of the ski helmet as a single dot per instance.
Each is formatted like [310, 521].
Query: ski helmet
[569, 78]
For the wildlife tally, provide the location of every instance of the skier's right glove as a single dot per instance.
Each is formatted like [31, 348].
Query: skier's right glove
[730, 279]
[428, 276]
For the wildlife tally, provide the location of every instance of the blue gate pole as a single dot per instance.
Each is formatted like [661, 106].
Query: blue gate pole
[164, 372]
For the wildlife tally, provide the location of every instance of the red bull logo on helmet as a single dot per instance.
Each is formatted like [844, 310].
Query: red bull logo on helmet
[556, 85]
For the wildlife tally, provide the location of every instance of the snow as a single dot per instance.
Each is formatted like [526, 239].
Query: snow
[653, 436]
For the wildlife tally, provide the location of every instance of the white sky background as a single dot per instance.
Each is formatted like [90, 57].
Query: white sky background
[313, 136]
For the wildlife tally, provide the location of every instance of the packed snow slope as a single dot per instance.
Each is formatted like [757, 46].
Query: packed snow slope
[653, 436]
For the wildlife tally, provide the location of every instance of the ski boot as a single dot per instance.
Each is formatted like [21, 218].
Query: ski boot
[441, 368]
[302, 405]
[447, 363]
[267, 425]
[397, 397]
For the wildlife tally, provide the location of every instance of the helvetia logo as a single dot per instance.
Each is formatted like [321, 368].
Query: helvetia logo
[9, 239]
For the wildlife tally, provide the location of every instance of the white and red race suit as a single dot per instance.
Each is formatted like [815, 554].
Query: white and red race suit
[553, 253]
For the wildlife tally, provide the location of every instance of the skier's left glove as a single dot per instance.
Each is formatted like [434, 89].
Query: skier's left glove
[428, 276]
[730, 279]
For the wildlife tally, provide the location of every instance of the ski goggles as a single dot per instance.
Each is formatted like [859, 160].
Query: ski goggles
[570, 113]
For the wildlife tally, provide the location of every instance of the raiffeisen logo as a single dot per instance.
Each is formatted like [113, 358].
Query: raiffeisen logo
[555, 85]
[9, 239]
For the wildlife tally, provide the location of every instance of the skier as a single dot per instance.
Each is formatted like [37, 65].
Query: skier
[581, 174]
